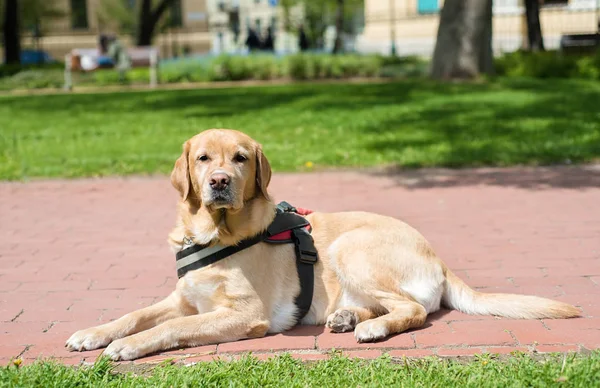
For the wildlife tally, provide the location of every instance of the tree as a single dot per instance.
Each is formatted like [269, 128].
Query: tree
[463, 48]
[319, 14]
[338, 44]
[11, 33]
[149, 18]
[117, 14]
[35, 14]
[534, 29]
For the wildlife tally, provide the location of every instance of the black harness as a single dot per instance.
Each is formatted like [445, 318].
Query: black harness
[286, 219]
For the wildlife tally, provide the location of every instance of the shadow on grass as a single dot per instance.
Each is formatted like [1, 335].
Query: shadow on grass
[410, 124]
[539, 125]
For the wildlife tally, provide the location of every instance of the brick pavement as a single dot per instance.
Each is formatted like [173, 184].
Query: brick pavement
[79, 253]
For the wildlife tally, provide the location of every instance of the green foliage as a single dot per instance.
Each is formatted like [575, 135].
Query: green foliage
[315, 66]
[33, 79]
[117, 13]
[411, 123]
[519, 370]
[548, 65]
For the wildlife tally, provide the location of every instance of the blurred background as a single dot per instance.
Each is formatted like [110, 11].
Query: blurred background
[190, 38]
[358, 82]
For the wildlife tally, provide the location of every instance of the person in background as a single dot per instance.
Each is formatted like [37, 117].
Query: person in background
[252, 41]
[104, 61]
[269, 43]
[118, 53]
[302, 39]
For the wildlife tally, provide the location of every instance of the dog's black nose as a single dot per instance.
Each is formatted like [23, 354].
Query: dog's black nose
[219, 181]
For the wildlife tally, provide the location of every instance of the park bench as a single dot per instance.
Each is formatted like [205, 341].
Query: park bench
[579, 43]
[79, 60]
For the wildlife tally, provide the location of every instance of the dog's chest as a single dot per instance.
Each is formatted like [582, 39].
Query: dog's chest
[283, 317]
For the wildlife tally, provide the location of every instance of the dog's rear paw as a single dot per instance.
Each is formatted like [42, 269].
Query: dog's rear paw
[370, 331]
[342, 321]
[88, 339]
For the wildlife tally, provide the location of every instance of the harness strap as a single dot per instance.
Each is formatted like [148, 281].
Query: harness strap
[306, 257]
[287, 227]
[198, 256]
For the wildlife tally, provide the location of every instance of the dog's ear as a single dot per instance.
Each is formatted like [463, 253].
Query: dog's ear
[263, 172]
[180, 176]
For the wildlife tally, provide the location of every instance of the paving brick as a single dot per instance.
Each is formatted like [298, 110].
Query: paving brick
[416, 353]
[196, 351]
[366, 354]
[457, 352]
[476, 335]
[572, 324]
[207, 358]
[330, 340]
[300, 338]
[498, 229]
[505, 350]
[8, 352]
[556, 348]
[525, 331]
[310, 356]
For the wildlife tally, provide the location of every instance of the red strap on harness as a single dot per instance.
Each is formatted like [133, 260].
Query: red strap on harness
[287, 235]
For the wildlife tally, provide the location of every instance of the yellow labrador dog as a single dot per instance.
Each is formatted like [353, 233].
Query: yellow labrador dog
[375, 275]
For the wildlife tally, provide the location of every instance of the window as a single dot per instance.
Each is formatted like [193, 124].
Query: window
[79, 17]
[257, 24]
[428, 6]
[175, 14]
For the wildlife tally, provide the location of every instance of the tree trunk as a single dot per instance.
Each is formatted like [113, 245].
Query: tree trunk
[12, 39]
[534, 29]
[464, 41]
[339, 27]
[148, 19]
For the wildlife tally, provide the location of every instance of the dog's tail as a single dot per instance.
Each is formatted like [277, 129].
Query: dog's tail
[459, 296]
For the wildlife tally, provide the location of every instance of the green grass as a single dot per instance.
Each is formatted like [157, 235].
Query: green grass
[412, 123]
[483, 371]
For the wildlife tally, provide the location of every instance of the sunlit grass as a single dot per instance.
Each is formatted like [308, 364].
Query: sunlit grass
[413, 123]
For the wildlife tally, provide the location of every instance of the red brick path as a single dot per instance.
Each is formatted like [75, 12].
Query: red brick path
[79, 253]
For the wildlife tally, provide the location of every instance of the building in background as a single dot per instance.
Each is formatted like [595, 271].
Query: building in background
[82, 21]
[416, 21]
[230, 20]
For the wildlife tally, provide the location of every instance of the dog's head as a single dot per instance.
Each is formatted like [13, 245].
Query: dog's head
[221, 169]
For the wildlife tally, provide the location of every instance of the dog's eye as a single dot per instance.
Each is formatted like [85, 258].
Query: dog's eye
[203, 158]
[240, 158]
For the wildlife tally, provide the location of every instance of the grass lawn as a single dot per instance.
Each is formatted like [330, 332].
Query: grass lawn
[483, 371]
[411, 123]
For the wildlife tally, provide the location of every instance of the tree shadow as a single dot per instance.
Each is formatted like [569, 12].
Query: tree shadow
[532, 178]
[545, 124]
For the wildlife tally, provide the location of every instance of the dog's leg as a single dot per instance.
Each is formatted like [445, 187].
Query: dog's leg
[223, 325]
[346, 318]
[100, 336]
[403, 314]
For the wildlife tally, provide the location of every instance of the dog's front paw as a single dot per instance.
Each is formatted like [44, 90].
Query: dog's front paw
[342, 321]
[88, 339]
[123, 350]
[370, 331]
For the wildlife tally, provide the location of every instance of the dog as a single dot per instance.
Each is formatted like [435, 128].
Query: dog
[375, 275]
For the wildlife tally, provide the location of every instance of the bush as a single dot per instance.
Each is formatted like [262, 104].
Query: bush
[10, 70]
[549, 64]
[236, 68]
[33, 79]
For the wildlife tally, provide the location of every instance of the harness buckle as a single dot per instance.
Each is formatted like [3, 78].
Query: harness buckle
[285, 207]
[305, 248]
